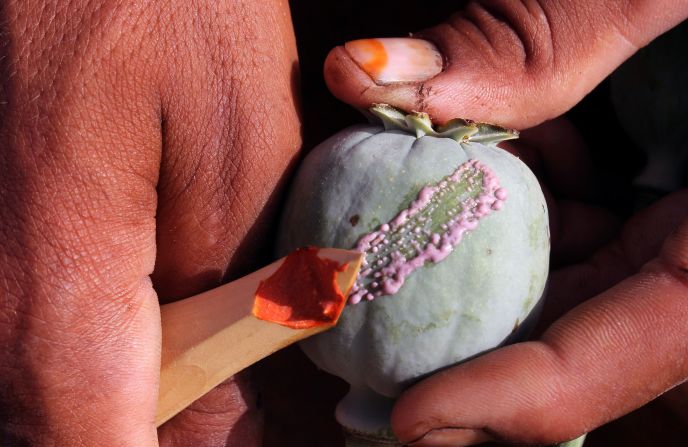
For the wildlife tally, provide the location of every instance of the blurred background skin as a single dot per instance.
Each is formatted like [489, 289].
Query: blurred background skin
[287, 378]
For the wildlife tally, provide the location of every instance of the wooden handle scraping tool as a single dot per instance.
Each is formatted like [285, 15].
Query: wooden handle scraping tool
[212, 336]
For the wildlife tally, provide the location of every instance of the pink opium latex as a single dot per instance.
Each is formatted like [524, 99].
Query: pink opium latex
[420, 234]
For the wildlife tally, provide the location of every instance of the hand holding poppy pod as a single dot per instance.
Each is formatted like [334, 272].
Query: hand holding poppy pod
[519, 64]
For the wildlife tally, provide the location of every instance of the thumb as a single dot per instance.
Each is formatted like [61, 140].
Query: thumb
[512, 62]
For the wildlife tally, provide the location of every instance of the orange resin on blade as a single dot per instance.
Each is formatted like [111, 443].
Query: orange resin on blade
[302, 293]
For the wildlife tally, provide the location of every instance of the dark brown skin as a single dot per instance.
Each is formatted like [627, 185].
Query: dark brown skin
[143, 146]
[142, 150]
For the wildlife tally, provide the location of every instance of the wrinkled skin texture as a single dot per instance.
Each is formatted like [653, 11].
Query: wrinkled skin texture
[143, 147]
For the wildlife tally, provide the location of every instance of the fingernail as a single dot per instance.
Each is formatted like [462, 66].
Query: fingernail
[393, 60]
[451, 437]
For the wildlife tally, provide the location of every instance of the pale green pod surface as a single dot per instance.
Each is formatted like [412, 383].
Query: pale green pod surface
[445, 312]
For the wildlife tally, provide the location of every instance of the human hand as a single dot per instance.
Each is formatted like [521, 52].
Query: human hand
[143, 147]
[519, 64]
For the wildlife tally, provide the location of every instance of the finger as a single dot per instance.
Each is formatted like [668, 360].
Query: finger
[231, 130]
[581, 226]
[564, 160]
[557, 154]
[637, 243]
[600, 361]
[512, 62]
[582, 230]
[79, 320]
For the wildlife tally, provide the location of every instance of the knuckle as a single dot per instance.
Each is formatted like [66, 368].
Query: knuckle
[668, 222]
[516, 35]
